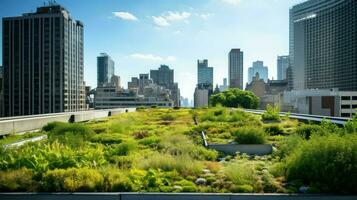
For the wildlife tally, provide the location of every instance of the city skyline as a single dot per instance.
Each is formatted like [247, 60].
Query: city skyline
[182, 27]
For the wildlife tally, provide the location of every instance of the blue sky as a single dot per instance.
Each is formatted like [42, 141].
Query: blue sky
[142, 34]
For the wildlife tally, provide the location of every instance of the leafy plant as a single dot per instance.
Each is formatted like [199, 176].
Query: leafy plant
[326, 162]
[250, 135]
[272, 113]
[72, 179]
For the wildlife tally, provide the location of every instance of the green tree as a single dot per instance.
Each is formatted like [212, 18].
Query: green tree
[235, 98]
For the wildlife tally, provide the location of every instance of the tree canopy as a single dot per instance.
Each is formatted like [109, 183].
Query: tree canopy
[235, 98]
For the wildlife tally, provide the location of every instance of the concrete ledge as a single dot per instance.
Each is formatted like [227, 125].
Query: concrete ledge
[35, 122]
[250, 149]
[167, 196]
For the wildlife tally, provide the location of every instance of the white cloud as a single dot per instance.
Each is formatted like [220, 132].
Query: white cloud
[205, 16]
[160, 21]
[125, 16]
[169, 17]
[232, 2]
[152, 57]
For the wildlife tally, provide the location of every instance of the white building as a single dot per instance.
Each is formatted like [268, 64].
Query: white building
[321, 102]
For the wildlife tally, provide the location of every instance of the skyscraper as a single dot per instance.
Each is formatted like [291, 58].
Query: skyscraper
[323, 44]
[282, 64]
[258, 67]
[105, 69]
[204, 73]
[235, 68]
[43, 62]
[164, 76]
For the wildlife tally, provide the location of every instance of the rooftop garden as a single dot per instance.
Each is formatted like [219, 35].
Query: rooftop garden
[160, 150]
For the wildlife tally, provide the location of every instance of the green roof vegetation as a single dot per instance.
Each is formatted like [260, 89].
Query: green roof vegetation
[160, 150]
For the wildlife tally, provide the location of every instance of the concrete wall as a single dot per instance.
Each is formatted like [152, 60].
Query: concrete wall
[166, 196]
[30, 123]
[250, 149]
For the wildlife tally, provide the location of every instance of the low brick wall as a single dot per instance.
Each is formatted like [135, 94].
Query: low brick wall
[250, 149]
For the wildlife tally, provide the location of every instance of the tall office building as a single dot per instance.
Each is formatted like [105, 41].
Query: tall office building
[258, 67]
[204, 73]
[105, 69]
[323, 44]
[164, 76]
[235, 68]
[43, 62]
[282, 64]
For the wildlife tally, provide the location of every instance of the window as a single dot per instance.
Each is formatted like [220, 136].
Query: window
[345, 115]
[345, 106]
[346, 98]
[354, 98]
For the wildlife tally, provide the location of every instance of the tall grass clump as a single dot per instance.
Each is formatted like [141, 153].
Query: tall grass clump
[68, 133]
[328, 163]
[18, 180]
[72, 180]
[272, 113]
[250, 135]
[241, 172]
[166, 162]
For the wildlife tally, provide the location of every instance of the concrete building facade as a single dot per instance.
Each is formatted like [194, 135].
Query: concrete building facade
[321, 102]
[323, 45]
[43, 62]
[235, 68]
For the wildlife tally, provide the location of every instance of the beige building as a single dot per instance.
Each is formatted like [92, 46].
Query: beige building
[268, 93]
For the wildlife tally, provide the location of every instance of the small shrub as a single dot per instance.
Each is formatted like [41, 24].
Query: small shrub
[106, 138]
[52, 125]
[124, 148]
[287, 145]
[240, 172]
[18, 180]
[74, 134]
[140, 134]
[250, 135]
[274, 129]
[72, 180]
[182, 164]
[306, 130]
[152, 141]
[117, 181]
[167, 117]
[272, 113]
[241, 189]
[326, 162]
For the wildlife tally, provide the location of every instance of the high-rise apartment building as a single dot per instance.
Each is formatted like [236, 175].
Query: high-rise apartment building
[258, 67]
[235, 68]
[204, 73]
[323, 45]
[43, 62]
[282, 64]
[105, 69]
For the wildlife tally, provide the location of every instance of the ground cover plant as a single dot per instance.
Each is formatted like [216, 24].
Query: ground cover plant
[160, 150]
